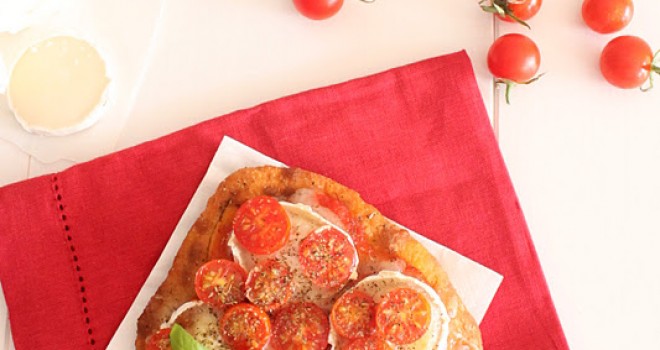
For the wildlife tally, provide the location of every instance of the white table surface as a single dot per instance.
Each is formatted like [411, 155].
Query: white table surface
[583, 156]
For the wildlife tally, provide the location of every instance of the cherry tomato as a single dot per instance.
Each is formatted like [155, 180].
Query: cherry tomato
[403, 316]
[327, 257]
[245, 327]
[269, 284]
[300, 326]
[523, 10]
[607, 16]
[318, 9]
[627, 62]
[514, 57]
[159, 340]
[261, 225]
[352, 315]
[514, 10]
[373, 342]
[348, 221]
[220, 283]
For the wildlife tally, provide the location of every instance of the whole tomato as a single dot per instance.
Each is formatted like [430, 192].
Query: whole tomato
[627, 62]
[607, 16]
[514, 59]
[318, 9]
[513, 10]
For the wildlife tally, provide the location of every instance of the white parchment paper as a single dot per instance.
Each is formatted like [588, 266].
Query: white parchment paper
[475, 283]
[124, 36]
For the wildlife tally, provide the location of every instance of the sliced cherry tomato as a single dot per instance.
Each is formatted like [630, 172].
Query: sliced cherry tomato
[245, 327]
[514, 59]
[159, 340]
[337, 207]
[514, 10]
[220, 283]
[327, 257]
[373, 342]
[269, 284]
[352, 315]
[403, 316]
[348, 221]
[261, 225]
[300, 326]
[607, 16]
[627, 62]
[318, 9]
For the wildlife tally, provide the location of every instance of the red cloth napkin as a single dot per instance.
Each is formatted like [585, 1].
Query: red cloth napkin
[75, 247]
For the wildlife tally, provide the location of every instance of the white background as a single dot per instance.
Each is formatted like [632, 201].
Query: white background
[583, 156]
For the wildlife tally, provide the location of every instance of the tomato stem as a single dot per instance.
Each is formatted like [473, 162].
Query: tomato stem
[654, 69]
[507, 92]
[654, 64]
[510, 83]
[645, 89]
[501, 7]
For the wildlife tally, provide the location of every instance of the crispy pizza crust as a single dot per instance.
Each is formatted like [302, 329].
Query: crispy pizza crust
[208, 237]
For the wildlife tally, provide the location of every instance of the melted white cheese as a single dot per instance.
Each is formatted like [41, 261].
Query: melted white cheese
[378, 285]
[303, 221]
[369, 265]
[203, 325]
[308, 197]
[183, 308]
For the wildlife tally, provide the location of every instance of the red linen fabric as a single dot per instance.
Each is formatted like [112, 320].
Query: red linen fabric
[415, 141]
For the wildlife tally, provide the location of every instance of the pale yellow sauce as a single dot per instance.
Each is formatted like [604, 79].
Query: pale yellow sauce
[57, 83]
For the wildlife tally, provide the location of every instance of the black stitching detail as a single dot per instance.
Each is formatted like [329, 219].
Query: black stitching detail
[76, 265]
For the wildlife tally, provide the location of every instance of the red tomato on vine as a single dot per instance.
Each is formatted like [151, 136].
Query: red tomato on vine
[513, 10]
[627, 62]
[607, 16]
[514, 59]
[318, 9]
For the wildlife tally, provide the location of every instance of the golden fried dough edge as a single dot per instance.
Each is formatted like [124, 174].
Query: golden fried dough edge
[207, 239]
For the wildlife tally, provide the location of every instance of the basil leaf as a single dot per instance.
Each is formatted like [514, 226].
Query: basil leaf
[182, 340]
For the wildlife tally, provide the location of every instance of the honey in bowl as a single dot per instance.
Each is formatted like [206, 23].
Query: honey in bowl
[57, 86]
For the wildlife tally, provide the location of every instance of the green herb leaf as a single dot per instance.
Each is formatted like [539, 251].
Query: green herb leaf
[182, 340]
